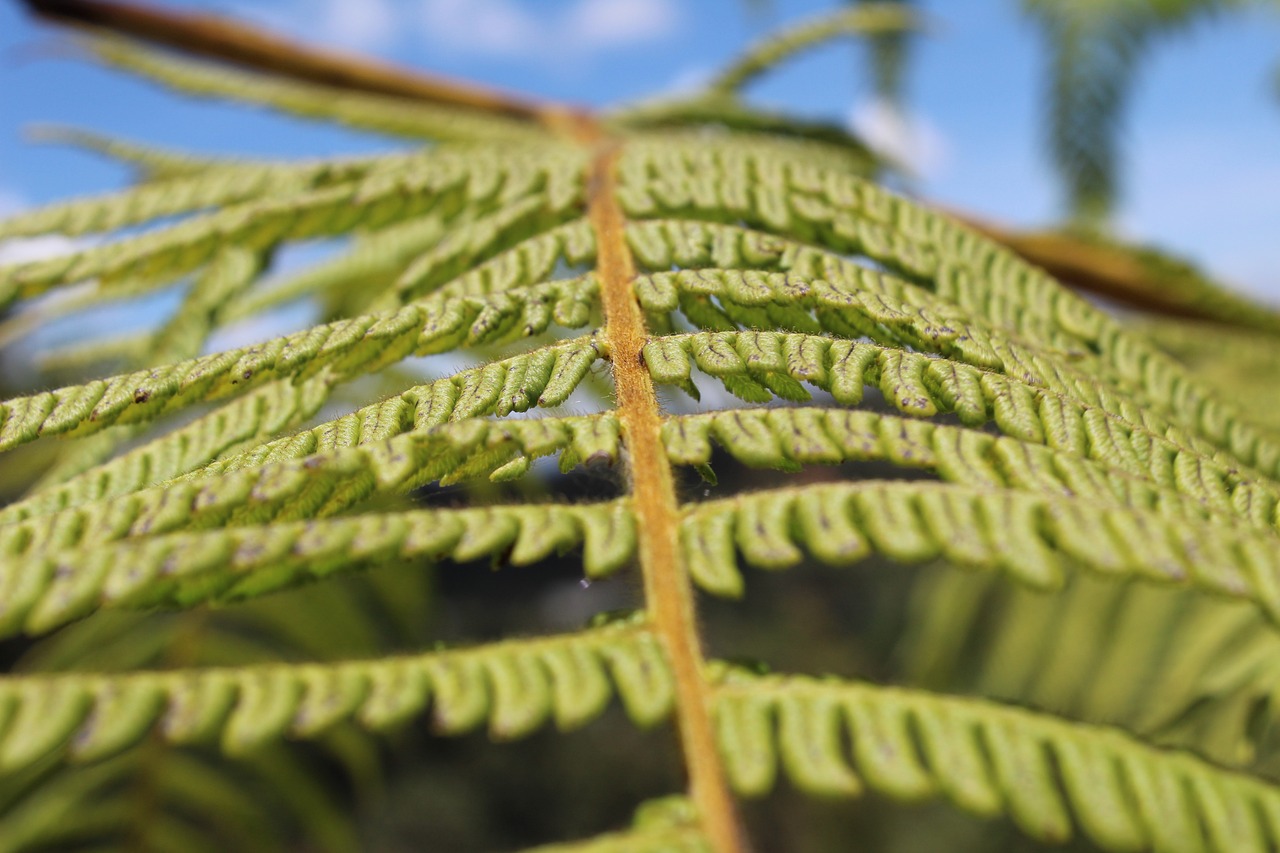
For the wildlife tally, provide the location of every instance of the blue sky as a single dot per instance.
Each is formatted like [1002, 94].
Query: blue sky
[1202, 140]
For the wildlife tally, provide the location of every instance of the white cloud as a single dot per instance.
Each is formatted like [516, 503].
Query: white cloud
[506, 28]
[490, 27]
[605, 23]
[361, 24]
[510, 29]
[910, 141]
[17, 250]
[370, 26]
[20, 250]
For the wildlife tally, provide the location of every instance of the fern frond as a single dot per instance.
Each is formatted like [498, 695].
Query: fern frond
[185, 569]
[758, 365]
[436, 180]
[1029, 537]
[510, 249]
[1228, 365]
[888, 60]
[867, 19]
[791, 438]
[368, 266]
[512, 687]
[978, 277]
[202, 189]
[162, 796]
[46, 815]
[250, 420]
[544, 377]
[379, 113]
[988, 759]
[307, 481]
[1093, 51]
[346, 348]
[83, 806]
[228, 275]
[716, 111]
[1142, 276]
[150, 162]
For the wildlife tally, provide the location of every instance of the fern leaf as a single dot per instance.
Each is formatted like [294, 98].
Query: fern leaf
[358, 345]
[513, 688]
[1144, 657]
[223, 186]
[250, 420]
[979, 277]
[184, 569]
[1027, 536]
[308, 482]
[1198, 417]
[149, 161]
[427, 182]
[494, 255]
[373, 263]
[988, 759]
[870, 19]
[789, 439]
[712, 110]
[922, 386]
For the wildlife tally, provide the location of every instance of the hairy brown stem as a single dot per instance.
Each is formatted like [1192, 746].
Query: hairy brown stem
[249, 47]
[1084, 266]
[668, 592]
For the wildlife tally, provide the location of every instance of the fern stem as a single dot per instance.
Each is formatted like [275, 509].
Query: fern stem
[668, 590]
[248, 47]
[1120, 275]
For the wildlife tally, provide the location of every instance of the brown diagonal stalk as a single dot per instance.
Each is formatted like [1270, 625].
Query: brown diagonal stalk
[668, 592]
[248, 47]
[1094, 269]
